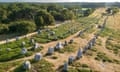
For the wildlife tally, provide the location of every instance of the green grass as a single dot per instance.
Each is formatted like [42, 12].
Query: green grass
[69, 48]
[15, 51]
[63, 31]
[41, 66]
[6, 66]
[103, 57]
[94, 49]
[106, 32]
[113, 43]
[99, 42]
[116, 61]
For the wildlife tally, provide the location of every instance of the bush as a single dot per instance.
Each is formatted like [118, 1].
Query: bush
[85, 70]
[103, 57]
[22, 27]
[85, 65]
[54, 57]
[43, 18]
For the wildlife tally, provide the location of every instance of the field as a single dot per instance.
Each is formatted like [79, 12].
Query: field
[103, 56]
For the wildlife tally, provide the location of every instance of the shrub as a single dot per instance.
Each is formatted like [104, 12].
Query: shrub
[85, 65]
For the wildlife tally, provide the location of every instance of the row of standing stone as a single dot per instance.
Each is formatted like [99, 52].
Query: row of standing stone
[80, 52]
[38, 56]
[51, 50]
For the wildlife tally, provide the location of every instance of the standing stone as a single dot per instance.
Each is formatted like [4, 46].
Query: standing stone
[24, 51]
[38, 57]
[27, 65]
[8, 49]
[48, 36]
[93, 41]
[80, 33]
[17, 38]
[59, 46]
[55, 38]
[65, 43]
[90, 45]
[39, 31]
[7, 41]
[50, 51]
[52, 33]
[65, 67]
[47, 30]
[36, 46]
[71, 41]
[85, 49]
[23, 44]
[79, 54]
[71, 59]
[32, 41]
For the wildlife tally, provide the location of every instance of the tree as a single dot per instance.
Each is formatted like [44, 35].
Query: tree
[54, 7]
[22, 27]
[25, 13]
[39, 21]
[3, 28]
[43, 18]
[3, 15]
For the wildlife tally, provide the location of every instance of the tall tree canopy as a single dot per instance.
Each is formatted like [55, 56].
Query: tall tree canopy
[43, 18]
[22, 27]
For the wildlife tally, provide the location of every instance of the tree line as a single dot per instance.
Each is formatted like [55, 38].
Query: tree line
[25, 17]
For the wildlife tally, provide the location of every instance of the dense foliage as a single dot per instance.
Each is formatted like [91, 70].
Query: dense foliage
[3, 28]
[22, 27]
[41, 14]
[43, 18]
